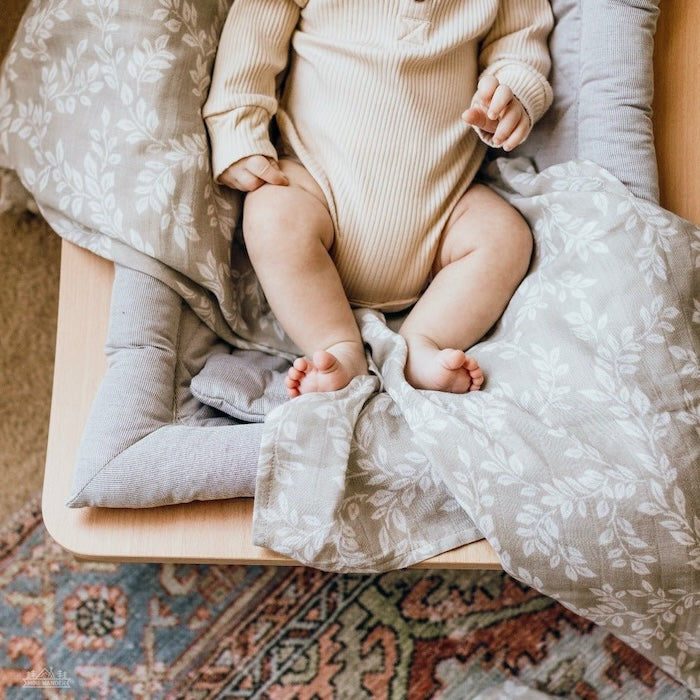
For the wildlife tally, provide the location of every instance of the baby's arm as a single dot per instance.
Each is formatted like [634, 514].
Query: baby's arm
[514, 63]
[253, 51]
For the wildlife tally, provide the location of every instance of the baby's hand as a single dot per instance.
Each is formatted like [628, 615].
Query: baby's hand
[247, 174]
[497, 111]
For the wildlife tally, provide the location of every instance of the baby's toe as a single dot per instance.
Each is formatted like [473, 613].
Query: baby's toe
[477, 379]
[470, 363]
[451, 359]
[324, 361]
[292, 389]
[301, 364]
[475, 374]
[295, 374]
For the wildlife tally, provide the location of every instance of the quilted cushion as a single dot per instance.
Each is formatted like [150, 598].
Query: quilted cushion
[603, 83]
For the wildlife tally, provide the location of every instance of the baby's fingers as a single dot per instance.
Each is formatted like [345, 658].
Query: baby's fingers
[266, 169]
[518, 134]
[485, 90]
[239, 178]
[477, 117]
[500, 100]
[252, 172]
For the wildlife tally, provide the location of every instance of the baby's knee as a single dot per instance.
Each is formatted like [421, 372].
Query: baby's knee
[263, 215]
[520, 238]
[514, 245]
[266, 225]
[509, 241]
[509, 231]
[275, 218]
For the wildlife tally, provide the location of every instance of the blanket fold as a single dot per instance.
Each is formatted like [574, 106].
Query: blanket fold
[327, 460]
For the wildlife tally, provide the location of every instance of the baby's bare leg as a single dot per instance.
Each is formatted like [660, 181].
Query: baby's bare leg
[483, 256]
[288, 232]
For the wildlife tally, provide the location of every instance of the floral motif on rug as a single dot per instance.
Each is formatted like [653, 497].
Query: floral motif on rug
[78, 629]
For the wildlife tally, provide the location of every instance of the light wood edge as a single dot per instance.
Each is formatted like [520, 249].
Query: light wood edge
[677, 106]
[216, 532]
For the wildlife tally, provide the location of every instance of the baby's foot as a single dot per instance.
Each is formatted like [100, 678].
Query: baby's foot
[449, 370]
[326, 371]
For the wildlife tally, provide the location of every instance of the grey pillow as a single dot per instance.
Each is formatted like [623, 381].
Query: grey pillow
[148, 441]
[245, 384]
[603, 83]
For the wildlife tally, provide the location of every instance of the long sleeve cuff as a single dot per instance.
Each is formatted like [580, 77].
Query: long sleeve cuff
[238, 133]
[528, 85]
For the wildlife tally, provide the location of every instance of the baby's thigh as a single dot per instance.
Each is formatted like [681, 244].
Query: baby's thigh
[300, 178]
[279, 212]
[483, 220]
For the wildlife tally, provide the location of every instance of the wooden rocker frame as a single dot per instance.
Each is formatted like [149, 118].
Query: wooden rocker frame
[220, 531]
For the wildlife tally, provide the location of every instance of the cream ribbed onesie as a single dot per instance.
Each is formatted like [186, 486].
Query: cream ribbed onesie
[371, 106]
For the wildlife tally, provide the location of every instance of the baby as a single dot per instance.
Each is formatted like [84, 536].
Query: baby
[366, 198]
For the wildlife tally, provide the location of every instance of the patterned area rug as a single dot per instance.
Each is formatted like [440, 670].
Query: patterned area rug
[72, 629]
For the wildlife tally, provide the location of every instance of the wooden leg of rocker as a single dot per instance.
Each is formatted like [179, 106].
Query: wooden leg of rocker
[213, 532]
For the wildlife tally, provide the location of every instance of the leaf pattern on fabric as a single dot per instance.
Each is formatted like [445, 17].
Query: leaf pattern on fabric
[137, 170]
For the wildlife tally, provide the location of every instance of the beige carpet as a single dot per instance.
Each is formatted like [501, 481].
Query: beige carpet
[29, 262]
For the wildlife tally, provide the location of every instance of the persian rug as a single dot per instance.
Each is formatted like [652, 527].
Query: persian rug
[75, 629]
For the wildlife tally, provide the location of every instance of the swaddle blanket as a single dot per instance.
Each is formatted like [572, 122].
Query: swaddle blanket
[578, 460]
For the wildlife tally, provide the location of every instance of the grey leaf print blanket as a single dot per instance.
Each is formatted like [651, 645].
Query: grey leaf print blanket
[578, 460]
